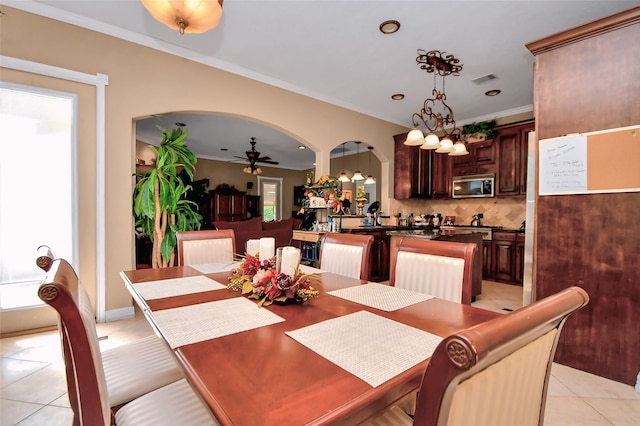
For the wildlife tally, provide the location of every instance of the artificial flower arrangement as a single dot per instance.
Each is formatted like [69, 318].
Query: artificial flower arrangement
[361, 194]
[326, 192]
[263, 282]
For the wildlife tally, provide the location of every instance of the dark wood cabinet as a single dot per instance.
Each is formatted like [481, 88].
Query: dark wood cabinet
[519, 262]
[411, 172]
[228, 207]
[503, 256]
[511, 176]
[379, 257]
[487, 265]
[481, 159]
[253, 206]
[440, 175]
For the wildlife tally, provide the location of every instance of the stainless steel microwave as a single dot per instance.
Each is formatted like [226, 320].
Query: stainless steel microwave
[477, 186]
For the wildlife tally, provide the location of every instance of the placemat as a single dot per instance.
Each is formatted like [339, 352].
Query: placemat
[371, 347]
[204, 321]
[381, 296]
[306, 269]
[209, 268]
[176, 286]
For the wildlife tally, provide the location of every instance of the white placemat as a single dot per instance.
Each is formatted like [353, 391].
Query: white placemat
[381, 296]
[176, 287]
[209, 268]
[369, 346]
[204, 321]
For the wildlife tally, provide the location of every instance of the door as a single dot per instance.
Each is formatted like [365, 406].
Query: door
[270, 191]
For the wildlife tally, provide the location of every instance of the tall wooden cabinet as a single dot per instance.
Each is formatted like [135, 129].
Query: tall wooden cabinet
[512, 148]
[587, 79]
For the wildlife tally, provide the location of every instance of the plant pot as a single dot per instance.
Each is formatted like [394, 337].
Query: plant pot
[475, 137]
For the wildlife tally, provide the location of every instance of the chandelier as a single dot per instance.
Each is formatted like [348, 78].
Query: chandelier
[186, 16]
[436, 115]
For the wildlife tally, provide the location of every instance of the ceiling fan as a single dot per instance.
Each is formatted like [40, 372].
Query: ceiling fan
[253, 157]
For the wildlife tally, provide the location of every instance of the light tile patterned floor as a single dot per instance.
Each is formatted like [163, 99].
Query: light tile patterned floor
[33, 389]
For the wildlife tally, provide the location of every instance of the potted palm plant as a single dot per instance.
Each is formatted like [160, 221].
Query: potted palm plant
[159, 203]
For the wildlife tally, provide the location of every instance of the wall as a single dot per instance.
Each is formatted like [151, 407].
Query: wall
[138, 82]
[505, 212]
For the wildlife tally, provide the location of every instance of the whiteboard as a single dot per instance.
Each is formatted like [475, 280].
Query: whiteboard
[595, 162]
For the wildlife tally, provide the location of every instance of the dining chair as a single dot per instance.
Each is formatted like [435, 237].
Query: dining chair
[206, 246]
[494, 373]
[443, 269]
[346, 254]
[158, 392]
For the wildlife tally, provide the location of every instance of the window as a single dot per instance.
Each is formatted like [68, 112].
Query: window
[270, 189]
[37, 186]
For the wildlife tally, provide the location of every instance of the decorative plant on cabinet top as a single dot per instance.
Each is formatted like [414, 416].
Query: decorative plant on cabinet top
[159, 203]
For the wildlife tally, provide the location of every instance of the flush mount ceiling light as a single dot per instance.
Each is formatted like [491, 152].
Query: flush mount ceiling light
[186, 16]
[357, 175]
[389, 27]
[436, 116]
[494, 92]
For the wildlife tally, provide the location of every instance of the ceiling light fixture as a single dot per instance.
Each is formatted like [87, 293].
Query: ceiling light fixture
[494, 92]
[389, 27]
[357, 175]
[344, 177]
[397, 97]
[436, 116]
[369, 180]
[186, 16]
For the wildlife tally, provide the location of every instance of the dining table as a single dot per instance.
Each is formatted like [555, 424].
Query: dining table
[342, 357]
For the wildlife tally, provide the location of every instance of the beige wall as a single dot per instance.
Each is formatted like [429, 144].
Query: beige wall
[142, 82]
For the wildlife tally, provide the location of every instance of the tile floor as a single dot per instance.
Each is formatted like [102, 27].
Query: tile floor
[33, 388]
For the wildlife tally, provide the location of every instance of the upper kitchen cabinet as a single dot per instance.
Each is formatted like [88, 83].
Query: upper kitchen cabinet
[481, 159]
[511, 176]
[440, 175]
[411, 172]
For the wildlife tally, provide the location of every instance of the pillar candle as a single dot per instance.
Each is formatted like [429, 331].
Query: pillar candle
[267, 248]
[290, 260]
[253, 247]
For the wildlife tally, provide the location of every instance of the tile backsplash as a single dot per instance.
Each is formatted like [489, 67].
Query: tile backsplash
[506, 212]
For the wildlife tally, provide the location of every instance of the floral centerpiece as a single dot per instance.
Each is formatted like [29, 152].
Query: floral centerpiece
[263, 282]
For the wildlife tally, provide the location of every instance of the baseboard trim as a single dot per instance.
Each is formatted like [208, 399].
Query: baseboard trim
[119, 314]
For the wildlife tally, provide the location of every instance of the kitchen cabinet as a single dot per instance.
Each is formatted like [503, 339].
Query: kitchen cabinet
[379, 255]
[487, 265]
[519, 262]
[503, 256]
[511, 176]
[411, 171]
[420, 173]
[440, 175]
[481, 159]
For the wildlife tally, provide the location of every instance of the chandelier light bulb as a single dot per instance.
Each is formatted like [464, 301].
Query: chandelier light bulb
[459, 148]
[446, 145]
[432, 141]
[414, 138]
[344, 177]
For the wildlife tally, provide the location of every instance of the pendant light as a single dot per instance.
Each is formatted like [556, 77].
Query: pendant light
[357, 175]
[369, 180]
[343, 176]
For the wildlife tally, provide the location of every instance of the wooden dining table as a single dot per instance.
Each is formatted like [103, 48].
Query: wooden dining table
[263, 376]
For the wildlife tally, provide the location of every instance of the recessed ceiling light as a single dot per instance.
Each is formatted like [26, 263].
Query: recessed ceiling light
[179, 124]
[494, 92]
[302, 147]
[389, 27]
[224, 149]
[397, 96]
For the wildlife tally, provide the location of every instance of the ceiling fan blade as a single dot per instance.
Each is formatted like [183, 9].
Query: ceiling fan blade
[260, 160]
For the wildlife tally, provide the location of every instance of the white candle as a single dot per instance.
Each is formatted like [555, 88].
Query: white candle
[253, 247]
[267, 248]
[290, 260]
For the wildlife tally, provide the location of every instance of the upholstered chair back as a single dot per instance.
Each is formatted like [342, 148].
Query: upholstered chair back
[440, 268]
[346, 254]
[208, 246]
